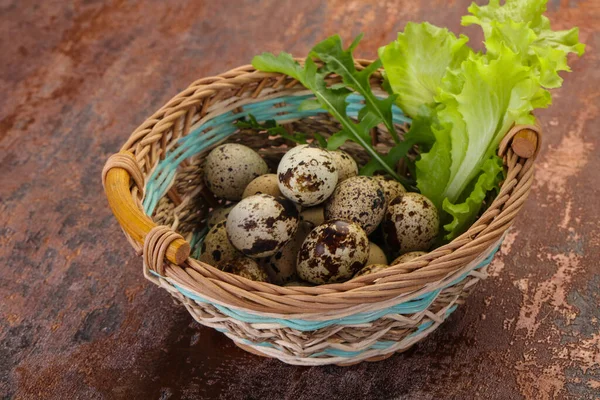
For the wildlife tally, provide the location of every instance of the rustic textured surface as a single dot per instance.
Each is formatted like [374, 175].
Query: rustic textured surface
[77, 318]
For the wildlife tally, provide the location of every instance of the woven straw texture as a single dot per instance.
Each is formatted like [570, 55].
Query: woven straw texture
[366, 318]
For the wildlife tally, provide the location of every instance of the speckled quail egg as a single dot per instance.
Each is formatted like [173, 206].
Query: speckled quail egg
[281, 266]
[307, 175]
[360, 199]
[408, 257]
[411, 223]
[371, 269]
[333, 252]
[376, 255]
[219, 214]
[345, 164]
[244, 267]
[266, 184]
[230, 167]
[313, 215]
[391, 187]
[216, 246]
[260, 225]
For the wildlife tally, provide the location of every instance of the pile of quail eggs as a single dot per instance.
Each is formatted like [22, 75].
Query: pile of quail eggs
[315, 221]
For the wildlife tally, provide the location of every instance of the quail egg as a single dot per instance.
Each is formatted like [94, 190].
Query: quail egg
[345, 164]
[230, 167]
[244, 267]
[391, 187]
[307, 175]
[333, 252]
[219, 214]
[216, 246]
[261, 224]
[281, 266]
[266, 184]
[371, 269]
[313, 215]
[376, 255]
[360, 199]
[411, 223]
[408, 257]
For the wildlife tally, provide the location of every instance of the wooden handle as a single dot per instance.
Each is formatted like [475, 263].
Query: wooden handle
[132, 219]
[524, 140]
[525, 143]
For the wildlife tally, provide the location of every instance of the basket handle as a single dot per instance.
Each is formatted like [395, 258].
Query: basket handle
[117, 175]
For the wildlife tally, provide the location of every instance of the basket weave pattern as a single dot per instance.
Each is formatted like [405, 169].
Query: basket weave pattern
[367, 318]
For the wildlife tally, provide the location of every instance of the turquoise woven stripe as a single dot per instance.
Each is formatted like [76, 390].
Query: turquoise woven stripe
[384, 344]
[410, 307]
[220, 127]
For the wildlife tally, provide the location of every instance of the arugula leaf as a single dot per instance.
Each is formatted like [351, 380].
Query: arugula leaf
[272, 128]
[334, 99]
[283, 63]
[463, 214]
[416, 62]
[341, 62]
[321, 140]
[394, 156]
[309, 105]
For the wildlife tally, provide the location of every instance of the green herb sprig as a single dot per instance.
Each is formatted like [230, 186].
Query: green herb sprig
[333, 98]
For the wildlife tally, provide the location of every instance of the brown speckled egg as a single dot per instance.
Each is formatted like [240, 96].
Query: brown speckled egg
[411, 223]
[313, 215]
[333, 252]
[345, 164]
[371, 269]
[391, 187]
[219, 214]
[281, 266]
[229, 168]
[266, 184]
[244, 267]
[307, 175]
[360, 199]
[408, 257]
[376, 255]
[260, 225]
[216, 246]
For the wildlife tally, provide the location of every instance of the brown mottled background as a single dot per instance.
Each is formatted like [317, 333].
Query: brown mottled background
[77, 319]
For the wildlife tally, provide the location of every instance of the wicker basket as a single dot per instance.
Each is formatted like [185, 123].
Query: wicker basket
[155, 189]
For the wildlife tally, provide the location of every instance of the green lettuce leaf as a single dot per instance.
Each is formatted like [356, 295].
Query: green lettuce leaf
[416, 62]
[494, 95]
[463, 214]
[512, 10]
[433, 168]
[520, 25]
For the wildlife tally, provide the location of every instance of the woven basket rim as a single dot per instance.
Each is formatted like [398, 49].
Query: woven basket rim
[154, 135]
